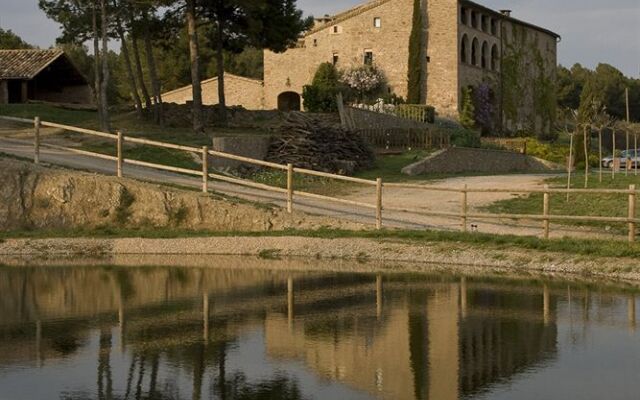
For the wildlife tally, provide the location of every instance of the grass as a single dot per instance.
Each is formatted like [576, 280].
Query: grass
[576, 247]
[156, 155]
[605, 205]
[50, 113]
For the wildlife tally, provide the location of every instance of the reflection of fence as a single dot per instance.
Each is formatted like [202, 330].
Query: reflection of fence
[462, 193]
[395, 138]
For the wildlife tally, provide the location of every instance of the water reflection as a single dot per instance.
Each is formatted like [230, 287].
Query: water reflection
[206, 333]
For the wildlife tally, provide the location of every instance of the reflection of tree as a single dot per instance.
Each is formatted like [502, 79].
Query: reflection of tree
[236, 386]
[104, 366]
[419, 345]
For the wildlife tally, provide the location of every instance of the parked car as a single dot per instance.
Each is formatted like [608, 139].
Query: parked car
[632, 155]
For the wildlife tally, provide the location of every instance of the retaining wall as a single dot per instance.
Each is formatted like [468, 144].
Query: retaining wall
[462, 159]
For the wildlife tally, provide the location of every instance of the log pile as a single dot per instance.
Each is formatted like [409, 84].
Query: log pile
[311, 142]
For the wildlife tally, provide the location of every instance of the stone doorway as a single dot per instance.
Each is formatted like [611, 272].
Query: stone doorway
[289, 101]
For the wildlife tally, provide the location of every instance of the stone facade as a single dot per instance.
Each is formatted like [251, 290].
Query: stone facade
[239, 91]
[464, 44]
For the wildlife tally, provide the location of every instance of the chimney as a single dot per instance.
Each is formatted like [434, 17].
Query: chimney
[506, 13]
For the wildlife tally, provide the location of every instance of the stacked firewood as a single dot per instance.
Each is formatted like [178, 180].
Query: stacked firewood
[308, 141]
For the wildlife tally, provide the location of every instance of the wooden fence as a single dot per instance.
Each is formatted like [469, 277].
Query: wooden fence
[290, 193]
[412, 138]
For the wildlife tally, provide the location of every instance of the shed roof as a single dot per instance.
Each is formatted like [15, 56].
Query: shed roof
[26, 64]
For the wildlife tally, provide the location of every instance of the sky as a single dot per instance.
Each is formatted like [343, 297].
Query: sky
[592, 31]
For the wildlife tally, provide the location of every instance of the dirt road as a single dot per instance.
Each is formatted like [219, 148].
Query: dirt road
[393, 197]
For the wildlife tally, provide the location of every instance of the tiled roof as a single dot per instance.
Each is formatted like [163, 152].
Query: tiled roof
[25, 64]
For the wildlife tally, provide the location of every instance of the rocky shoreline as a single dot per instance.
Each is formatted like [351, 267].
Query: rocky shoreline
[381, 253]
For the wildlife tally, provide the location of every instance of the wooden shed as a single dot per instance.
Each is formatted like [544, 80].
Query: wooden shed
[41, 75]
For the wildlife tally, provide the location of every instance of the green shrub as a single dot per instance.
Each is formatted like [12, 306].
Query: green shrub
[462, 137]
[468, 114]
[320, 96]
[547, 151]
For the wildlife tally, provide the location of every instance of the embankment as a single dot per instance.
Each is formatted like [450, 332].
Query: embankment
[33, 197]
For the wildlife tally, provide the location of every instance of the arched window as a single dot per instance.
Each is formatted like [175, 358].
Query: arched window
[475, 49]
[484, 62]
[474, 19]
[464, 50]
[495, 58]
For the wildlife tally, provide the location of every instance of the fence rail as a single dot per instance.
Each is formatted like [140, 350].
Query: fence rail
[463, 215]
[412, 138]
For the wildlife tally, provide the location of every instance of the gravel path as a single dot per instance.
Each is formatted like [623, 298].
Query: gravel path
[384, 254]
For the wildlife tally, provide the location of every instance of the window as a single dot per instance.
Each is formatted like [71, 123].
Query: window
[463, 16]
[377, 22]
[368, 57]
[485, 23]
[464, 48]
[494, 26]
[474, 51]
[484, 62]
[495, 58]
[315, 42]
[474, 19]
[337, 29]
[336, 58]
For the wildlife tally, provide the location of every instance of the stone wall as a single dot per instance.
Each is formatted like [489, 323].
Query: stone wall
[459, 159]
[290, 71]
[78, 94]
[255, 147]
[442, 45]
[239, 91]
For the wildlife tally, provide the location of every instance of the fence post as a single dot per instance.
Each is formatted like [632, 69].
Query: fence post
[36, 143]
[632, 213]
[379, 203]
[545, 212]
[289, 188]
[464, 208]
[205, 169]
[119, 162]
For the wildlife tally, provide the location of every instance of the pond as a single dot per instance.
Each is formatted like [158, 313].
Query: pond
[96, 332]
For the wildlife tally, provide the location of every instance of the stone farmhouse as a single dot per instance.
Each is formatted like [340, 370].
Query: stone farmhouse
[462, 44]
[41, 75]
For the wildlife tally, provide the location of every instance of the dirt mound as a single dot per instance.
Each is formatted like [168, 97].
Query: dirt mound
[34, 197]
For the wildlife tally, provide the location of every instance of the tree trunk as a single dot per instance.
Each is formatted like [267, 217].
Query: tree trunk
[569, 165]
[129, 66]
[138, 65]
[104, 100]
[222, 101]
[194, 50]
[96, 60]
[153, 74]
[586, 159]
[600, 152]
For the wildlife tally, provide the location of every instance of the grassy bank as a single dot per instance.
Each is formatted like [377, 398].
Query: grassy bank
[575, 247]
[605, 205]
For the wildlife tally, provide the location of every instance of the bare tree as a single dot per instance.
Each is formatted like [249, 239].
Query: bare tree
[567, 123]
[601, 121]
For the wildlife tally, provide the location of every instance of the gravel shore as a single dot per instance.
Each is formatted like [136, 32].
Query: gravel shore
[383, 253]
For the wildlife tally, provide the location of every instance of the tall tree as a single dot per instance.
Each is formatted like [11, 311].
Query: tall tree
[194, 52]
[104, 84]
[127, 57]
[264, 24]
